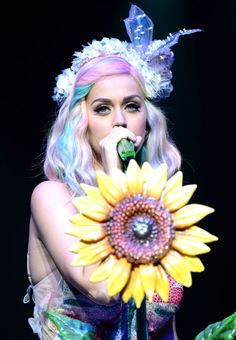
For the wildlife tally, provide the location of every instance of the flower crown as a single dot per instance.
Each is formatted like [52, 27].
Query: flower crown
[153, 58]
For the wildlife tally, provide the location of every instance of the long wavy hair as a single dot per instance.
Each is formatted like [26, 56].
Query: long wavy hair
[69, 156]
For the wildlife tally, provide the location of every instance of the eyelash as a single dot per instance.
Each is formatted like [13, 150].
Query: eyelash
[102, 109]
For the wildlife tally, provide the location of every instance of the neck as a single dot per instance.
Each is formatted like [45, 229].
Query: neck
[97, 165]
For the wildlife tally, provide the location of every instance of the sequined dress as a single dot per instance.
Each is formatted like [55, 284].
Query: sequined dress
[61, 312]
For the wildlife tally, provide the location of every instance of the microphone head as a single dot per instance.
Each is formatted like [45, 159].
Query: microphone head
[126, 150]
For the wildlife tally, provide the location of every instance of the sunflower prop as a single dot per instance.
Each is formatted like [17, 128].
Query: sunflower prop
[138, 228]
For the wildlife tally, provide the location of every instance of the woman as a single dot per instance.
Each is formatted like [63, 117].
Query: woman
[107, 96]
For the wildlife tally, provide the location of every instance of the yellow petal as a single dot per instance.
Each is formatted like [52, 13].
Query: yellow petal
[146, 171]
[85, 228]
[134, 178]
[127, 292]
[179, 198]
[104, 270]
[91, 191]
[138, 292]
[112, 192]
[194, 263]
[190, 214]
[94, 248]
[199, 233]
[81, 220]
[162, 283]
[156, 182]
[119, 276]
[77, 247]
[120, 179]
[92, 253]
[90, 233]
[175, 265]
[91, 207]
[189, 245]
[148, 279]
[175, 182]
[78, 261]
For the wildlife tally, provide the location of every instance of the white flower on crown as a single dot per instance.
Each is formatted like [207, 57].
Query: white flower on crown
[101, 48]
[153, 58]
[64, 84]
[154, 64]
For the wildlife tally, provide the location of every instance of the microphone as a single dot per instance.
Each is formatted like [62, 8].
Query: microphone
[126, 151]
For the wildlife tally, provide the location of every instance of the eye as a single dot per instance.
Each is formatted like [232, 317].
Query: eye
[132, 107]
[102, 110]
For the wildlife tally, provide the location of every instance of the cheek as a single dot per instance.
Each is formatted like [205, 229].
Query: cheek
[97, 131]
[138, 125]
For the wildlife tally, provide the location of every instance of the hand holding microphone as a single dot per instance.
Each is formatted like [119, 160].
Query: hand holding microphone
[118, 147]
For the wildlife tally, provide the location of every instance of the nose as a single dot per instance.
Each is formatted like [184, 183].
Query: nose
[119, 118]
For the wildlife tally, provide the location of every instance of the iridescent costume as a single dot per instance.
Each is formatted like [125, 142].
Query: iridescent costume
[61, 312]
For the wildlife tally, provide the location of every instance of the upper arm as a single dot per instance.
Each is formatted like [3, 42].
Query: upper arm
[51, 207]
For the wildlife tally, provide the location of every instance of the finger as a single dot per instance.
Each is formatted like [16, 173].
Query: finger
[138, 141]
[121, 132]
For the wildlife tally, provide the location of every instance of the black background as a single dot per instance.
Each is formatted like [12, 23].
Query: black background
[37, 42]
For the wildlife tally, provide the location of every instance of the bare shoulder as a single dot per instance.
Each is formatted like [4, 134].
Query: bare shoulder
[51, 197]
[50, 188]
[51, 206]
[49, 191]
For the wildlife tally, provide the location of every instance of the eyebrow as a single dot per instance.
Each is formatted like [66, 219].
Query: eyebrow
[125, 100]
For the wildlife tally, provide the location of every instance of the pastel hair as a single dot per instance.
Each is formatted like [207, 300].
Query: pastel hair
[69, 157]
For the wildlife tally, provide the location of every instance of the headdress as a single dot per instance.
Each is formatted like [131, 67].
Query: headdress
[153, 58]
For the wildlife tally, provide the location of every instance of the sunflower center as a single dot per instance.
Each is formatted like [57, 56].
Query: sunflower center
[140, 229]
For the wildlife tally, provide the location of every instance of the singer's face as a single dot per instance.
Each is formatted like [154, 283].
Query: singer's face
[115, 101]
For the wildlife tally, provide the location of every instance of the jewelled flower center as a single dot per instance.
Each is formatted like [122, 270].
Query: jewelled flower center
[140, 229]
